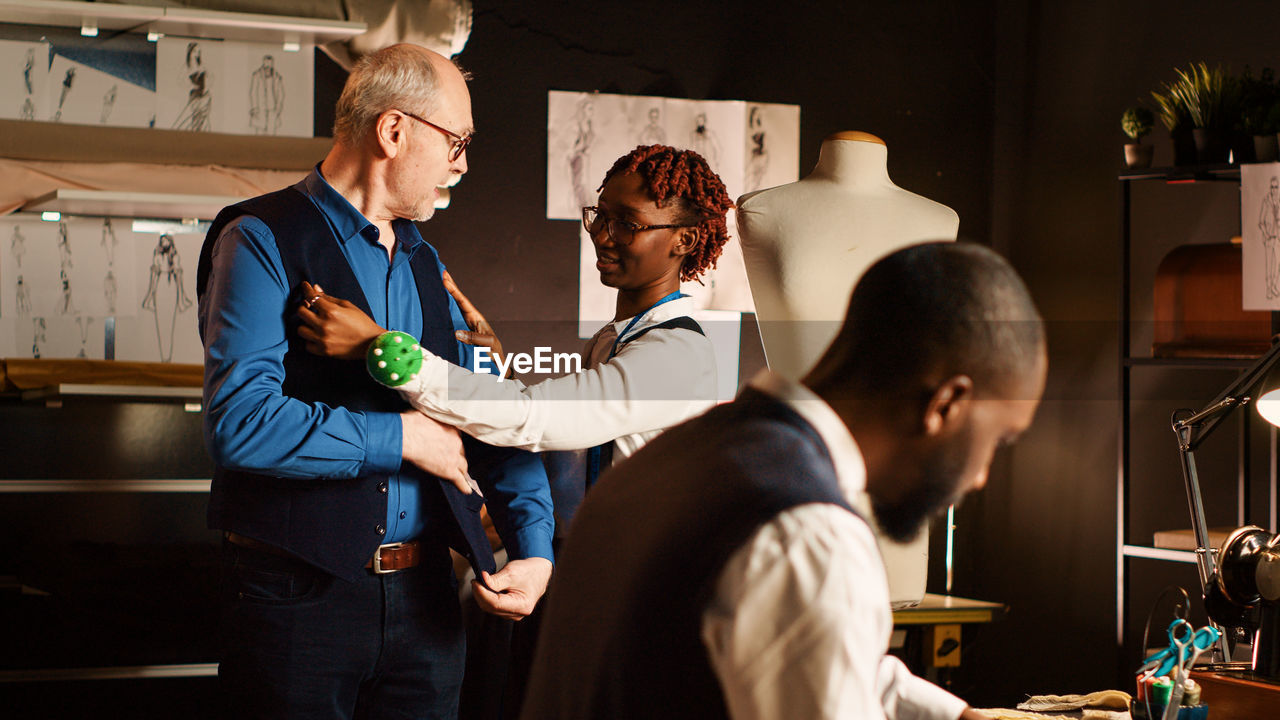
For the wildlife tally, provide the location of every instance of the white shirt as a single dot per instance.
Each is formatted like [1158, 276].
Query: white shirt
[799, 623]
[655, 381]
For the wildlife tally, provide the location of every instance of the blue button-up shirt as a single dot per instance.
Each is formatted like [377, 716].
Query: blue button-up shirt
[252, 426]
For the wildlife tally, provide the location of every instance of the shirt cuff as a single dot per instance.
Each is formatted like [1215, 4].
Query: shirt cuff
[429, 389]
[532, 542]
[384, 443]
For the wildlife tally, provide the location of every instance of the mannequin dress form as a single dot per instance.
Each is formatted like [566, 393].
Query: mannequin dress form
[805, 245]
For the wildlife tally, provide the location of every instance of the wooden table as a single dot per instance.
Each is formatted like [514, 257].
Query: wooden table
[938, 618]
[1238, 696]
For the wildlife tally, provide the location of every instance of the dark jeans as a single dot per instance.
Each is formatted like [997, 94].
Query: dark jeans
[300, 643]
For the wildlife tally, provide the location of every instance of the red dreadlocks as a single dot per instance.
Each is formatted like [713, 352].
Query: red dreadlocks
[683, 176]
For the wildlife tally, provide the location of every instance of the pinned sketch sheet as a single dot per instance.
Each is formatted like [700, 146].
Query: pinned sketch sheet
[23, 80]
[85, 94]
[749, 145]
[234, 87]
[61, 280]
[1260, 221]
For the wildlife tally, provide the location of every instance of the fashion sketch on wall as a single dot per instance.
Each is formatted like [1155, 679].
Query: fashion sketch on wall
[166, 297]
[652, 133]
[196, 114]
[96, 88]
[23, 80]
[189, 78]
[266, 97]
[66, 306]
[60, 279]
[755, 144]
[1260, 222]
[579, 159]
[270, 91]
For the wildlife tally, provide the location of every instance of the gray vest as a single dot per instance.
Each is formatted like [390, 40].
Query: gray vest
[621, 637]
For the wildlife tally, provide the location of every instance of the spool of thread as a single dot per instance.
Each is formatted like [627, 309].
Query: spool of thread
[1191, 693]
[1161, 690]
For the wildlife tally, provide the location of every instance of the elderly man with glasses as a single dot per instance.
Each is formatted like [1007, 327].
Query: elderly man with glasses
[337, 503]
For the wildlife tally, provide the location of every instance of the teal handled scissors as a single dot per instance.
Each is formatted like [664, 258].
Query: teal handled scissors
[1185, 645]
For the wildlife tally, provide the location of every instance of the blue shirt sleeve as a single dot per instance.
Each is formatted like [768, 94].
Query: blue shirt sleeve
[249, 423]
[516, 488]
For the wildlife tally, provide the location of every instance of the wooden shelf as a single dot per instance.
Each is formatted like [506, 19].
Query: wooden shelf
[63, 142]
[104, 203]
[1155, 553]
[184, 22]
[1205, 363]
[148, 485]
[113, 392]
[1185, 173]
[133, 672]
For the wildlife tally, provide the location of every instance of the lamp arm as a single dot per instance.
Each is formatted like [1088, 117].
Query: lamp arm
[1191, 431]
[1202, 424]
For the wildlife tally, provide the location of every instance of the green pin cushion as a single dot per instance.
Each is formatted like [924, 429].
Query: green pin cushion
[394, 358]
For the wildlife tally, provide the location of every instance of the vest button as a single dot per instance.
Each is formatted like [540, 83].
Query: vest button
[380, 530]
[382, 488]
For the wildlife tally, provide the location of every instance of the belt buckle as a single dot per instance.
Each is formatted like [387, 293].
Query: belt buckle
[377, 559]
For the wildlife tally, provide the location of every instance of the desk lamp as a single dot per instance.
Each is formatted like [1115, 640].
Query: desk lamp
[1242, 583]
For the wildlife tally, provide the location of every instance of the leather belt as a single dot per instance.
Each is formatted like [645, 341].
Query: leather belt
[393, 557]
[386, 559]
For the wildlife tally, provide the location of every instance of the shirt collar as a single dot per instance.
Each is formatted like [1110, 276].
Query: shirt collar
[346, 221]
[851, 473]
[664, 312]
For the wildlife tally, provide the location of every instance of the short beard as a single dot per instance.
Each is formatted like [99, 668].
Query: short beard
[935, 489]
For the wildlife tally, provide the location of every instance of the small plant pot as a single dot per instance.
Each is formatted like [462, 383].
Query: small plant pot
[1266, 148]
[1211, 147]
[1137, 155]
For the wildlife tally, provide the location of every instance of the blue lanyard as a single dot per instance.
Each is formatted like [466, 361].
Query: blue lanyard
[666, 299]
[601, 455]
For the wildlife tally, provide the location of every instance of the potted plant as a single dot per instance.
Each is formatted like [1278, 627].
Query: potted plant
[1211, 98]
[1136, 122]
[1260, 105]
[1173, 115]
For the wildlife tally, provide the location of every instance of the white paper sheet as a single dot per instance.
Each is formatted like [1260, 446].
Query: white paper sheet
[59, 280]
[190, 81]
[1260, 221]
[269, 91]
[81, 94]
[772, 154]
[24, 72]
[163, 326]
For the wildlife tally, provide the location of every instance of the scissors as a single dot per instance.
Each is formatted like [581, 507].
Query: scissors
[1185, 643]
[1185, 646]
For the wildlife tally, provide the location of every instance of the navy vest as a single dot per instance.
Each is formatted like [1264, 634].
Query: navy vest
[622, 633]
[333, 523]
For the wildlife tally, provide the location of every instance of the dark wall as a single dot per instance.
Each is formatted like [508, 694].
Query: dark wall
[916, 76]
[1043, 537]
[921, 75]
[1007, 112]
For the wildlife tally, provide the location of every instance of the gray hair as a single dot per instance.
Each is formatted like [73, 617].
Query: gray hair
[396, 77]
